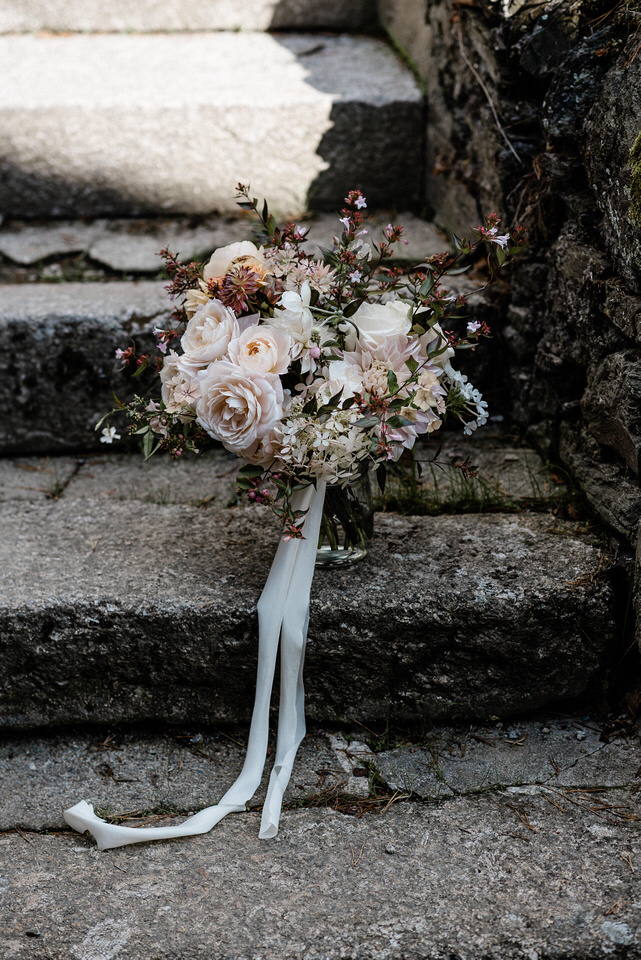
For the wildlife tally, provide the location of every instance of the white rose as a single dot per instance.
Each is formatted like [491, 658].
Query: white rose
[261, 349]
[223, 258]
[209, 333]
[375, 322]
[238, 408]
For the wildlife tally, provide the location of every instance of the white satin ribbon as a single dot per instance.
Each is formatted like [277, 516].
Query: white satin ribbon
[283, 613]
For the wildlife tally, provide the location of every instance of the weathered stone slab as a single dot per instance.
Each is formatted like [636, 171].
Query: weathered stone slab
[135, 773]
[131, 246]
[557, 753]
[506, 474]
[179, 771]
[118, 611]
[35, 478]
[26, 243]
[58, 368]
[464, 879]
[302, 118]
[196, 481]
[150, 15]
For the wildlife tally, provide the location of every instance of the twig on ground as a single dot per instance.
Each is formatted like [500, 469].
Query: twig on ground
[355, 858]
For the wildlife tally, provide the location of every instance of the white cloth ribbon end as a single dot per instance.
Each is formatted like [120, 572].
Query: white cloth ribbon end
[283, 615]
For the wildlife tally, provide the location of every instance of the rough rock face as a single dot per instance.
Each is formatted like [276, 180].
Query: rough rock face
[58, 369]
[535, 111]
[467, 616]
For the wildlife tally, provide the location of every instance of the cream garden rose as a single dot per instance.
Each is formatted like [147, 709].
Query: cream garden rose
[375, 322]
[244, 252]
[195, 299]
[261, 349]
[238, 408]
[209, 333]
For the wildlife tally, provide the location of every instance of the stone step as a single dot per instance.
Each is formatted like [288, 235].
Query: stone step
[59, 368]
[76, 16]
[126, 773]
[125, 610]
[301, 117]
[507, 477]
[131, 246]
[502, 876]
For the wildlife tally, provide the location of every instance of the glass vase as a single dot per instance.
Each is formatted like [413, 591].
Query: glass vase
[347, 525]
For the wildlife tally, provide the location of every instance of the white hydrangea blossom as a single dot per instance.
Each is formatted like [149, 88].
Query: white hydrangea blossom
[330, 450]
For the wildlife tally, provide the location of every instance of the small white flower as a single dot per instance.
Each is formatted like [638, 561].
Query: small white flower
[472, 327]
[356, 276]
[119, 354]
[360, 203]
[345, 222]
[502, 241]
[109, 435]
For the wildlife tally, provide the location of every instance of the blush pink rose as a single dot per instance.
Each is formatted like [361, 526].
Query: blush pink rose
[237, 407]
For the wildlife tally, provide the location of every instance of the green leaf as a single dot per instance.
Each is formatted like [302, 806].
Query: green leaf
[412, 364]
[426, 287]
[455, 273]
[102, 420]
[381, 476]
[352, 307]
[244, 483]
[147, 444]
[366, 422]
[397, 421]
[141, 369]
[250, 470]
[392, 382]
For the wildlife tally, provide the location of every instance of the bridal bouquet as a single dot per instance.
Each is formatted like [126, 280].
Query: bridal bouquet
[311, 370]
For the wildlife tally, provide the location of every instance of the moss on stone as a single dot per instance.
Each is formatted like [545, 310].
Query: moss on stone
[635, 183]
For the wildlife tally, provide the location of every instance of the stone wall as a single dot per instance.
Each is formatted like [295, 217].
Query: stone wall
[534, 110]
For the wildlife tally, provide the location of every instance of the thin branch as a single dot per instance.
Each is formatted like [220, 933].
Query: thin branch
[488, 95]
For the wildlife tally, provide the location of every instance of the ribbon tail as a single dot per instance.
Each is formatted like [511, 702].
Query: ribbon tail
[291, 716]
[272, 609]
